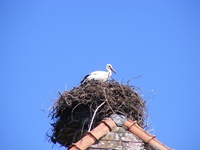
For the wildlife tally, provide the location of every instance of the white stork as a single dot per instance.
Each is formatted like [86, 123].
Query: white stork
[100, 75]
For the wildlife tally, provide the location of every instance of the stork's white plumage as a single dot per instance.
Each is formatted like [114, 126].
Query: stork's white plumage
[100, 75]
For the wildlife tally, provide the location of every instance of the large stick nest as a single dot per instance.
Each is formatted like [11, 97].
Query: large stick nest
[73, 111]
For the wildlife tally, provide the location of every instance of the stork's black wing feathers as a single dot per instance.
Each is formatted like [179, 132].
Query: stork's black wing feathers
[84, 78]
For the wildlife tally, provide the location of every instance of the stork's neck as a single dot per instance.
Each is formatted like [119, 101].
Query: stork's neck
[109, 73]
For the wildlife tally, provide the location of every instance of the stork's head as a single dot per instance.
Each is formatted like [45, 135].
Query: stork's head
[109, 67]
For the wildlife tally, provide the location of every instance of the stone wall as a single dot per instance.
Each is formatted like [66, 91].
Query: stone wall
[118, 139]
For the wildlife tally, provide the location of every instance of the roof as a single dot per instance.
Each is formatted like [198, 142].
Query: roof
[107, 136]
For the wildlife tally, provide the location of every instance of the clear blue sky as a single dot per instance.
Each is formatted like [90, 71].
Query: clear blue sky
[45, 44]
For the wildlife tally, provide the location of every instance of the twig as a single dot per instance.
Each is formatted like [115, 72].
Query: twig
[61, 97]
[72, 118]
[133, 78]
[94, 116]
[66, 86]
[107, 100]
[83, 124]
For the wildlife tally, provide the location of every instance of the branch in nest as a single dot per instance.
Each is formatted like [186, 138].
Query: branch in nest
[94, 115]
[107, 100]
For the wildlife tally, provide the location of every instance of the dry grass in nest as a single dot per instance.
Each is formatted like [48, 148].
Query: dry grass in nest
[73, 111]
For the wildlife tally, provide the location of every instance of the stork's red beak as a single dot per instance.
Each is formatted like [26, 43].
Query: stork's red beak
[113, 70]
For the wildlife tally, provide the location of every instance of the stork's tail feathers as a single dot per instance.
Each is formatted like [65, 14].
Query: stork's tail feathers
[84, 79]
